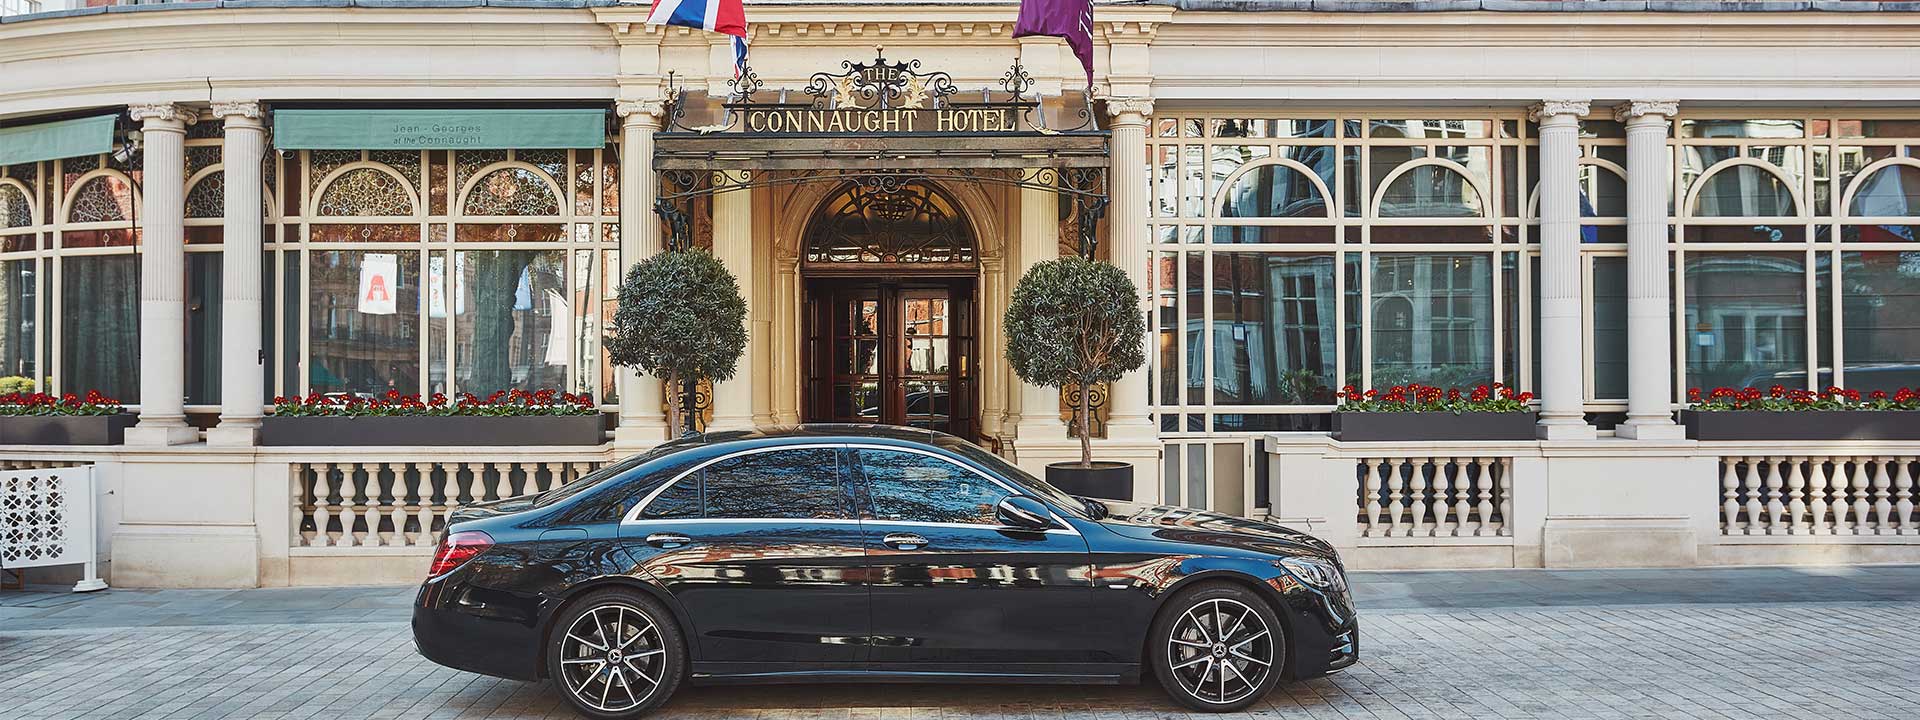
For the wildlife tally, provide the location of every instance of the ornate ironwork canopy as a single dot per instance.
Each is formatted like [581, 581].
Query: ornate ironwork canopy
[884, 127]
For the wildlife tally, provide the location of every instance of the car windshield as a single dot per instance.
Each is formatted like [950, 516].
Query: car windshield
[1034, 485]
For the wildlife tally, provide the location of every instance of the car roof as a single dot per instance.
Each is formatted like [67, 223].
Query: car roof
[822, 432]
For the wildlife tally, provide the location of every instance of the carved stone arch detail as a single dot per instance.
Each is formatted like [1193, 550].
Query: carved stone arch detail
[808, 200]
[473, 181]
[80, 184]
[34, 215]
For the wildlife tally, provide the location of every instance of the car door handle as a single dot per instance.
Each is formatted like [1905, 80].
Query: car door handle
[668, 540]
[904, 541]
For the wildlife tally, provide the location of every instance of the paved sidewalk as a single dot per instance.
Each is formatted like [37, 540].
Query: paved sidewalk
[1718, 643]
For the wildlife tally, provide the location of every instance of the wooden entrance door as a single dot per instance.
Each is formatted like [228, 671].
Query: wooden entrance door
[892, 352]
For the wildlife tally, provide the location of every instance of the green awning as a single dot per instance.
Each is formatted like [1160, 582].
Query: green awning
[56, 140]
[489, 129]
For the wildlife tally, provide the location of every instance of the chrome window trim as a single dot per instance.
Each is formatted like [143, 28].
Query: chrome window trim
[633, 516]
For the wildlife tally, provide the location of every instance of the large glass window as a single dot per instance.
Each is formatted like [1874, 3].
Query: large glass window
[799, 484]
[910, 487]
[498, 267]
[1296, 255]
[1769, 209]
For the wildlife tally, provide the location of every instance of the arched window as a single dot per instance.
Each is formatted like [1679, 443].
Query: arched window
[1271, 191]
[1431, 191]
[1744, 190]
[105, 198]
[208, 198]
[907, 223]
[1892, 191]
[366, 192]
[515, 191]
[16, 210]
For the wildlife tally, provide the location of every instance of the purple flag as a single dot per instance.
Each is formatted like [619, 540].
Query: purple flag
[1069, 20]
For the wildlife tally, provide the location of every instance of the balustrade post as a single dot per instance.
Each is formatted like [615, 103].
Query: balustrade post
[1729, 485]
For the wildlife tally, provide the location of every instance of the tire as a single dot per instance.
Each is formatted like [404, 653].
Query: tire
[1205, 672]
[649, 659]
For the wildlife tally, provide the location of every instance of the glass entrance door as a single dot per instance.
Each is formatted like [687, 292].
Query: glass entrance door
[896, 353]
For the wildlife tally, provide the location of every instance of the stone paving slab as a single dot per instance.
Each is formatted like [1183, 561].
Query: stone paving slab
[1828, 646]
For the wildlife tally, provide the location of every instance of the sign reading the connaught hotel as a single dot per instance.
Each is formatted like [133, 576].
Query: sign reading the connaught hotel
[859, 120]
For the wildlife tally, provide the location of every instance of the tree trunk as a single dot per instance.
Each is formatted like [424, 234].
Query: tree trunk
[1086, 437]
[673, 406]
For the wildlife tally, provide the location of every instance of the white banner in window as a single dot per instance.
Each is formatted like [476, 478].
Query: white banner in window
[437, 286]
[379, 283]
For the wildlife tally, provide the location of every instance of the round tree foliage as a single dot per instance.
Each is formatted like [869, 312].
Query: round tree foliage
[681, 317]
[1074, 320]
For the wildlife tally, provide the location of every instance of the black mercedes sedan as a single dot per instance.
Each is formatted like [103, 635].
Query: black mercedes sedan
[865, 553]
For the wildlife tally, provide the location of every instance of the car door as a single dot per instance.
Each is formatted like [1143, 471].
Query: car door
[762, 550]
[953, 590]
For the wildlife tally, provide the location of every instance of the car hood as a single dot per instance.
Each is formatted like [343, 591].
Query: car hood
[1205, 527]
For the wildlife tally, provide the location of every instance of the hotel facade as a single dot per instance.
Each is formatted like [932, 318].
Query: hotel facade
[1602, 203]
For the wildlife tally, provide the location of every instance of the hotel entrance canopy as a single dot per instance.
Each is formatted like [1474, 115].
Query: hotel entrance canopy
[884, 124]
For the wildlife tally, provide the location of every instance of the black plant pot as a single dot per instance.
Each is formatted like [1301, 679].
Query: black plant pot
[65, 429]
[1106, 480]
[1421, 426]
[432, 431]
[1802, 425]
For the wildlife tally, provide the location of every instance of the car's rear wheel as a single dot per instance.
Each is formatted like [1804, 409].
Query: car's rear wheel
[616, 654]
[1217, 648]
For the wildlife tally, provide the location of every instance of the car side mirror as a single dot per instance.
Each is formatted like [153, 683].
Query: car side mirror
[1025, 513]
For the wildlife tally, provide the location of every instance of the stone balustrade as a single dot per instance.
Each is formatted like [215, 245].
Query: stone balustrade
[1434, 497]
[405, 503]
[1818, 495]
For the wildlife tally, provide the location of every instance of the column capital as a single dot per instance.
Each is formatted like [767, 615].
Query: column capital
[239, 111]
[1122, 106]
[1545, 109]
[1636, 109]
[161, 114]
[641, 112]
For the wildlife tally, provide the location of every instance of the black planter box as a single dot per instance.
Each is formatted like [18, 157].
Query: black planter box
[1105, 480]
[65, 429]
[1802, 425]
[460, 430]
[1417, 426]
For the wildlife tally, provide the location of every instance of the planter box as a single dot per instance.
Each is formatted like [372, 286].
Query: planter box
[539, 430]
[1106, 480]
[1419, 426]
[65, 429]
[1802, 425]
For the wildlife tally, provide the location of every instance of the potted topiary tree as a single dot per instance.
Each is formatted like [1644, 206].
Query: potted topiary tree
[1075, 320]
[681, 317]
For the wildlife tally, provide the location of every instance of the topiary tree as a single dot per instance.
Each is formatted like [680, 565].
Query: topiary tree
[681, 317]
[1075, 320]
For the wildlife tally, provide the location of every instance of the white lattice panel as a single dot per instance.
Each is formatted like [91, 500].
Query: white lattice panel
[46, 518]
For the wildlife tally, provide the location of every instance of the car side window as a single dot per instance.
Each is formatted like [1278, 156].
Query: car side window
[681, 500]
[794, 484]
[911, 487]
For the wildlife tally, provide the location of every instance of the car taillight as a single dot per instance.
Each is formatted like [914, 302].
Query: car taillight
[456, 549]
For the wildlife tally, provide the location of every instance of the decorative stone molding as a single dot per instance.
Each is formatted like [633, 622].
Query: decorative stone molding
[162, 112]
[241, 109]
[1633, 109]
[629, 109]
[1118, 106]
[1550, 108]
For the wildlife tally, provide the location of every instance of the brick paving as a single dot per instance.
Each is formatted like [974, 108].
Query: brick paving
[1773, 643]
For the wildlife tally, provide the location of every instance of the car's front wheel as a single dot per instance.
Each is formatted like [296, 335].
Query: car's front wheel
[616, 654]
[1217, 648]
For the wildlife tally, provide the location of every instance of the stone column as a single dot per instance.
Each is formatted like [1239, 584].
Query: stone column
[1649, 334]
[242, 381]
[992, 353]
[1127, 183]
[163, 259]
[787, 362]
[1561, 392]
[733, 245]
[1039, 242]
[643, 422]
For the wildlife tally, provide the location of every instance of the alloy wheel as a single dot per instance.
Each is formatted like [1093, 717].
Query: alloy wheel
[613, 658]
[1220, 651]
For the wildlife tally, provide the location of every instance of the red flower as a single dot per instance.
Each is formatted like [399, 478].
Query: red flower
[1524, 397]
[1777, 391]
[1878, 395]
